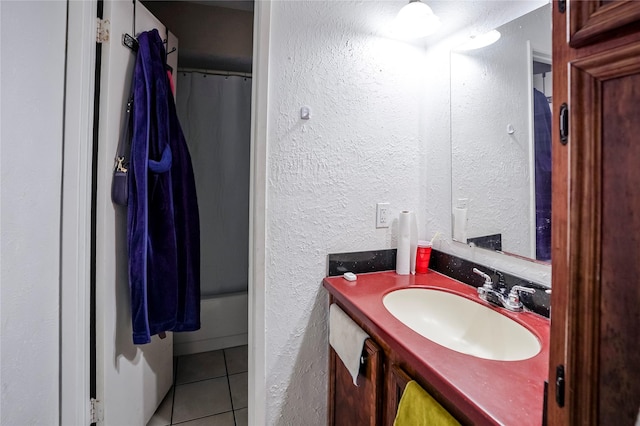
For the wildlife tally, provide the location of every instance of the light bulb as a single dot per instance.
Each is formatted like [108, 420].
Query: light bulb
[415, 20]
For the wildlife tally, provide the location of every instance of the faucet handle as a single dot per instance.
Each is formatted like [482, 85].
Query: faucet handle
[513, 302]
[517, 288]
[487, 279]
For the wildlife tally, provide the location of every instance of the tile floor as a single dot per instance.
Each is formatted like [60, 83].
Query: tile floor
[210, 389]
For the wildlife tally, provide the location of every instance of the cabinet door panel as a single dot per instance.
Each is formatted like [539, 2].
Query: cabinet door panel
[620, 293]
[603, 348]
[398, 380]
[594, 21]
[356, 405]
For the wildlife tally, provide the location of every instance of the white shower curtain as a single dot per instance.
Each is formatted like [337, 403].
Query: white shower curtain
[215, 114]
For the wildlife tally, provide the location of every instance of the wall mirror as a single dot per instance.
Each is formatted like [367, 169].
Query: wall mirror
[501, 139]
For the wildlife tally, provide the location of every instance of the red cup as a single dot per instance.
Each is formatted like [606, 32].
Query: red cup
[422, 257]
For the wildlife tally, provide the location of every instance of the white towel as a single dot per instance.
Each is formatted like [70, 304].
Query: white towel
[347, 339]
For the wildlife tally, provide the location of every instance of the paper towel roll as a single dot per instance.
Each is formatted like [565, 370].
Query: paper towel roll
[403, 257]
[460, 224]
[414, 242]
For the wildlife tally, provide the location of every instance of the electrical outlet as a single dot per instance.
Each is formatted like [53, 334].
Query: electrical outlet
[382, 215]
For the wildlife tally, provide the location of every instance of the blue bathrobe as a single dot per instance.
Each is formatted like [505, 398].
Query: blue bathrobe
[163, 223]
[542, 138]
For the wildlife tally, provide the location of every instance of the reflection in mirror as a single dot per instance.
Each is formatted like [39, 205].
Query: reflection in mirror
[501, 140]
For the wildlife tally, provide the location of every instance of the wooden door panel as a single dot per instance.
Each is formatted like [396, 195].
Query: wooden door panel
[596, 199]
[603, 349]
[397, 381]
[356, 405]
[619, 399]
[594, 21]
[557, 415]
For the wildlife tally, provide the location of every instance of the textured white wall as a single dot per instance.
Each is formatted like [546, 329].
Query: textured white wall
[490, 90]
[361, 146]
[32, 98]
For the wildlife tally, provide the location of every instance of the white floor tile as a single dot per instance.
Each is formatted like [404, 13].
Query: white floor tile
[201, 399]
[202, 366]
[238, 384]
[242, 417]
[237, 359]
[224, 419]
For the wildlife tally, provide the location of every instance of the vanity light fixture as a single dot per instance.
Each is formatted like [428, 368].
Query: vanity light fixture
[415, 20]
[480, 41]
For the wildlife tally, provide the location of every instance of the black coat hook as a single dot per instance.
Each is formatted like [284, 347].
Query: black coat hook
[130, 40]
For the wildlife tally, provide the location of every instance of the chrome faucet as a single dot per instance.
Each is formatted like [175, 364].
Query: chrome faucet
[496, 294]
[488, 292]
[513, 302]
[487, 279]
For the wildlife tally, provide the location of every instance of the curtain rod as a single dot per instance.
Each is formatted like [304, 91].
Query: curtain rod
[216, 72]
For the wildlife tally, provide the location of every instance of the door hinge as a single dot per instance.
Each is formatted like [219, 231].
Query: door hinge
[95, 410]
[560, 385]
[564, 123]
[103, 26]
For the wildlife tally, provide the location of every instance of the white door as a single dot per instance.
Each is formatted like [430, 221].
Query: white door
[131, 381]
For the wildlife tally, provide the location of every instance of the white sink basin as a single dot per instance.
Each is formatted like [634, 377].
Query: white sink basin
[461, 324]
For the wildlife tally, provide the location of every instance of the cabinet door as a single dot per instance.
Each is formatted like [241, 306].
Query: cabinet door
[351, 405]
[595, 319]
[605, 231]
[397, 381]
[594, 21]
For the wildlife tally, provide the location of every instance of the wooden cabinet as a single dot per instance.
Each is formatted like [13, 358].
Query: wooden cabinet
[382, 379]
[397, 380]
[361, 405]
[595, 321]
[595, 21]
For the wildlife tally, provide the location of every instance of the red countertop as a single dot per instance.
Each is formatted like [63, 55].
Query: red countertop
[487, 391]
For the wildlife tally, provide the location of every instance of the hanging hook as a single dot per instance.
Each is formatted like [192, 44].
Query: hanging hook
[128, 40]
[166, 41]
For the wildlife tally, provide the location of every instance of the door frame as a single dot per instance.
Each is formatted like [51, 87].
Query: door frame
[257, 378]
[75, 253]
[76, 237]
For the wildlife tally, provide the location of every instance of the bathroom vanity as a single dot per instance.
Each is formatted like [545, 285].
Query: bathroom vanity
[473, 389]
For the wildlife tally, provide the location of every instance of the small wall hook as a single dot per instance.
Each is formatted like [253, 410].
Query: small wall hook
[305, 113]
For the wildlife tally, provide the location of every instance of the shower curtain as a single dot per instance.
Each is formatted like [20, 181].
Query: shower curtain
[215, 113]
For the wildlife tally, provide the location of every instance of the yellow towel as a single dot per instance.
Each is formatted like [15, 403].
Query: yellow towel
[418, 408]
